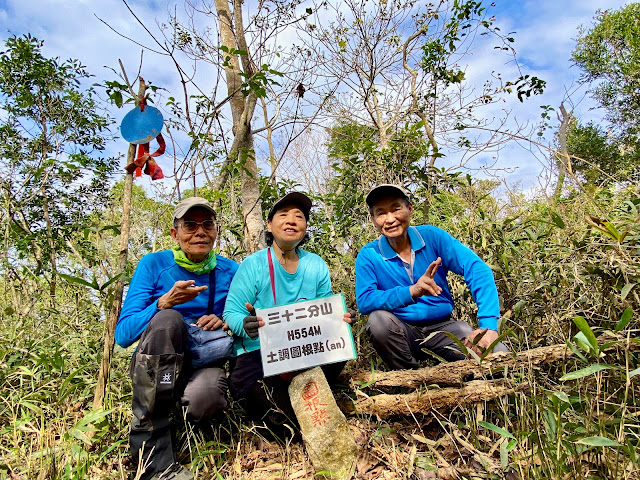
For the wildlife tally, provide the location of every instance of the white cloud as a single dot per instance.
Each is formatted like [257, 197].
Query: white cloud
[545, 36]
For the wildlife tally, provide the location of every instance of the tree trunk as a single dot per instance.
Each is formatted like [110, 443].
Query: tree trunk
[469, 378]
[563, 160]
[457, 373]
[242, 108]
[52, 253]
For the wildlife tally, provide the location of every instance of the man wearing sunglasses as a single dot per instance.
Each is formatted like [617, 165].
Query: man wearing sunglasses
[170, 291]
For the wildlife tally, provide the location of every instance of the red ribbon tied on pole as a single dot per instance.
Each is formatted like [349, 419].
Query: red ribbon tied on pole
[139, 127]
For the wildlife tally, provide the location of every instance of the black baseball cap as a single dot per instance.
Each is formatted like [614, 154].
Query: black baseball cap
[386, 190]
[298, 199]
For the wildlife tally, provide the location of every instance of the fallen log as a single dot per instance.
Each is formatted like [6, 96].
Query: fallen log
[423, 401]
[462, 371]
[457, 373]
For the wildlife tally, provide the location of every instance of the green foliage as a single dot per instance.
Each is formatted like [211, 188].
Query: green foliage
[52, 173]
[47, 380]
[601, 158]
[609, 54]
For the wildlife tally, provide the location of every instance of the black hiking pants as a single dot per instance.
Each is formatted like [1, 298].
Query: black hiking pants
[162, 375]
[266, 399]
[400, 344]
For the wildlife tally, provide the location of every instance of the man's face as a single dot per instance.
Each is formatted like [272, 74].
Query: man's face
[196, 241]
[391, 216]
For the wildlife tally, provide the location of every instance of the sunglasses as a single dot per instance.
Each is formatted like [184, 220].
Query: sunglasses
[191, 226]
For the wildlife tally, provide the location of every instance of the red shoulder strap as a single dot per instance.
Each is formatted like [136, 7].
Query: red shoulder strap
[272, 276]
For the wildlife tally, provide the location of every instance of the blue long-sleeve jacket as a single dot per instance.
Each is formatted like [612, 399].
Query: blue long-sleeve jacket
[382, 283]
[252, 285]
[155, 275]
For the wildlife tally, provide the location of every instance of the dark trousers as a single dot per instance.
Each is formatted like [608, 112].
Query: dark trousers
[401, 345]
[161, 374]
[266, 399]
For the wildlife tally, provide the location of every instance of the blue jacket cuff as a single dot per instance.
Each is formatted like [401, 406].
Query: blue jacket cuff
[491, 323]
[405, 297]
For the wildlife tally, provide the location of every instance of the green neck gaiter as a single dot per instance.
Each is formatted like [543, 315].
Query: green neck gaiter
[205, 266]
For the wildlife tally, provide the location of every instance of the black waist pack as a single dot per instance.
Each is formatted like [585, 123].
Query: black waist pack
[208, 346]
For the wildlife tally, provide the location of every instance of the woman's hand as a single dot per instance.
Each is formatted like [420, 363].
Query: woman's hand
[251, 322]
[350, 316]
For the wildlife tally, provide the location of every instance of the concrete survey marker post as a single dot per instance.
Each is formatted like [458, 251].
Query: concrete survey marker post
[324, 428]
[305, 334]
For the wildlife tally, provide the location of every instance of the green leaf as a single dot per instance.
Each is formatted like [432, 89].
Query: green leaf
[496, 429]
[79, 281]
[562, 396]
[120, 276]
[93, 416]
[613, 231]
[598, 442]
[466, 352]
[581, 323]
[557, 220]
[581, 341]
[590, 370]
[625, 318]
[490, 348]
[635, 372]
[504, 454]
[626, 289]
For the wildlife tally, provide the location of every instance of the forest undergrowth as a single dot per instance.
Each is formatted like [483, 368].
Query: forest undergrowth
[567, 272]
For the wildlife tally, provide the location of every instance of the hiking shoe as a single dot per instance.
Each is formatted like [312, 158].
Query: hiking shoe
[174, 472]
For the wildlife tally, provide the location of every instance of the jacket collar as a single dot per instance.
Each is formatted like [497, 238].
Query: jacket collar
[417, 242]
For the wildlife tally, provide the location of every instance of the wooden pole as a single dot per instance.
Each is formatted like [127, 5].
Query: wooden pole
[116, 307]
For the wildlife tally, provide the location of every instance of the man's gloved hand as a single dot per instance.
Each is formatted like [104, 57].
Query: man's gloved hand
[251, 323]
[350, 316]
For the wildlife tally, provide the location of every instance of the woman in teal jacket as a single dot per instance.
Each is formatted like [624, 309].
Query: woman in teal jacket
[298, 275]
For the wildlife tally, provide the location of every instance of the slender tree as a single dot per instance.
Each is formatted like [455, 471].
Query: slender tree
[52, 170]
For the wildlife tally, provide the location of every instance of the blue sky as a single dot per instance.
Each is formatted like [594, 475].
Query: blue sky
[545, 36]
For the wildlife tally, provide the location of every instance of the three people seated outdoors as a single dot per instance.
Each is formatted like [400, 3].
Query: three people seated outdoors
[400, 283]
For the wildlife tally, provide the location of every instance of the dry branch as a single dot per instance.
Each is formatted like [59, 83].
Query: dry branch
[422, 401]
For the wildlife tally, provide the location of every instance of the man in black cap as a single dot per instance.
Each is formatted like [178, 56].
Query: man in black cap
[401, 282]
[173, 292]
